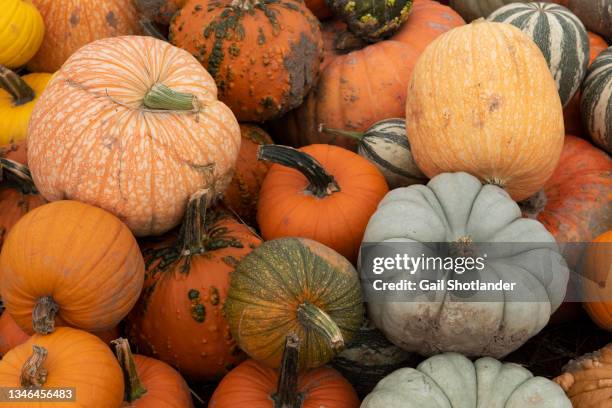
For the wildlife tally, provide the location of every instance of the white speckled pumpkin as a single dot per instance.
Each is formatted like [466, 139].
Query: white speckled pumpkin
[132, 125]
[450, 380]
[455, 208]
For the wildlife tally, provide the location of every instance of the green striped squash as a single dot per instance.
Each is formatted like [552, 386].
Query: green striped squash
[596, 100]
[559, 34]
[385, 144]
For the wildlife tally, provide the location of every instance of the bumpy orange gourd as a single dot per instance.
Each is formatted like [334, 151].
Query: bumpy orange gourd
[263, 54]
[598, 285]
[67, 358]
[363, 84]
[150, 383]
[322, 192]
[179, 318]
[243, 192]
[482, 100]
[132, 125]
[70, 264]
[70, 24]
[586, 380]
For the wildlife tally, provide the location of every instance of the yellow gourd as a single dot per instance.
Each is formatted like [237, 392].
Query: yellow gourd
[21, 32]
[17, 98]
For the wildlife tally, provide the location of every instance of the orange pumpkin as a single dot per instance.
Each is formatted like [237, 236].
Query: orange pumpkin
[68, 358]
[322, 192]
[132, 125]
[18, 195]
[180, 318]
[254, 385]
[243, 192]
[11, 335]
[499, 119]
[70, 24]
[160, 11]
[264, 55]
[586, 380]
[598, 285]
[363, 84]
[150, 383]
[70, 264]
[16, 151]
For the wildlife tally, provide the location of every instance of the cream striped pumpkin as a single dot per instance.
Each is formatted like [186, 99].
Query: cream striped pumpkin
[561, 37]
[596, 100]
[132, 125]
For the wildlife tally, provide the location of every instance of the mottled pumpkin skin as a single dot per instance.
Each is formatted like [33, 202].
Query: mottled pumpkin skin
[355, 89]
[598, 271]
[252, 385]
[270, 283]
[22, 31]
[179, 318]
[586, 380]
[75, 359]
[242, 193]
[160, 11]
[81, 256]
[263, 54]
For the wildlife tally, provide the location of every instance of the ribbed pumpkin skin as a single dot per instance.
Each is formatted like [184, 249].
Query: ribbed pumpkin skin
[355, 89]
[252, 385]
[179, 318]
[81, 256]
[70, 24]
[263, 54]
[599, 283]
[596, 100]
[586, 380]
[242, 193]
[11, 335]
[165, 387]
[14, 119]
[160, 11]
[22, 31]
[595, 14]
[90, 140]
[471, 10]
[270, 283]
[75, 359]
[560, 36]
[287, 209]
[499, 119]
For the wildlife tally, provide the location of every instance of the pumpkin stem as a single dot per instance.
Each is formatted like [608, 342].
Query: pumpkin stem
[320, 182]
[347, 133]
[287, 395]
[533, 205]
[462, 247]
[161, 97]
[316, 319]
[20, 92]
[18, 174]
[33, 374]
[134, 389]
[496, 181]
[244, 4]
[43, 315]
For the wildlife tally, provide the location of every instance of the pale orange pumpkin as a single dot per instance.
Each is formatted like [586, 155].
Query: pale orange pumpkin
[132, 125]
[70, 24]
[498, 118]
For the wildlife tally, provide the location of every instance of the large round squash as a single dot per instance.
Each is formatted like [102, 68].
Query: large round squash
[70, 264]
[598, 283]
[451, 380]
[22, 31]
[462, 216]
[70, 24]
[263, 54]
[559, 34]
[132, 125]
[294, 286]
[67, 359]
[499, 118]
[596, 100]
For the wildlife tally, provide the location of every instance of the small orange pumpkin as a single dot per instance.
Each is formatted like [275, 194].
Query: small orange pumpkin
[322, 192]
[243, 192]
[70, 264]
[254, 385]
[598, 282]
[150, 383]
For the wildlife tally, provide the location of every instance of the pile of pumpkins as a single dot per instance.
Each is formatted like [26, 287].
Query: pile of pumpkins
[137, 128]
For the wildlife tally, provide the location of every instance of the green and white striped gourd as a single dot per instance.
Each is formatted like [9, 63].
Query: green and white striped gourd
[386, 145]
[596, 100]
[560, 35]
